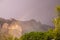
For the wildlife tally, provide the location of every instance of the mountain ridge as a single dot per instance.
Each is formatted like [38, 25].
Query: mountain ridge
[18, 28]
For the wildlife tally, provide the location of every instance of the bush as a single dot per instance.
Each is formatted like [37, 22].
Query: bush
[34, 36]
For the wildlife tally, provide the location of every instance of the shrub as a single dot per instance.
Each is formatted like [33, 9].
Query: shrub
[34, 36]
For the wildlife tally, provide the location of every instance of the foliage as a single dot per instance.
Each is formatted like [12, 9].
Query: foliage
[50, 34]
[33, 36]
[38, 36]
[56, 22]
[58, 8]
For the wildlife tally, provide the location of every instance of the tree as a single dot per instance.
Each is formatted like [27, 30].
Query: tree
[49, 34]
[56, 22]
[34, 36]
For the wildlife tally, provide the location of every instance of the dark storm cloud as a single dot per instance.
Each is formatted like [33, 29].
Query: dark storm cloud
[42, 10]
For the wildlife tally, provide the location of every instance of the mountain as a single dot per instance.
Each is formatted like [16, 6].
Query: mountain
[32, 25]
[17, 28]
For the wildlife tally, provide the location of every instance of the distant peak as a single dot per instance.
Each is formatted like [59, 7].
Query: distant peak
[12, 19]
[33, 20]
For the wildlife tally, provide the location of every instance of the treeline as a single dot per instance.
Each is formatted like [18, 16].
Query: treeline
[49, 35]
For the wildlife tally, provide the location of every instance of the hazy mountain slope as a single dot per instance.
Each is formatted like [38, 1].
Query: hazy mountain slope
[32, 25]
[17, 28]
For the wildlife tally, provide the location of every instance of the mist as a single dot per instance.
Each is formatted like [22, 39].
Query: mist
[40, 10]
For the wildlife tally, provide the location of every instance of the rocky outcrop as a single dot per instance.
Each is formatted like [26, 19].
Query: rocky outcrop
[11, 27]
[15, 29]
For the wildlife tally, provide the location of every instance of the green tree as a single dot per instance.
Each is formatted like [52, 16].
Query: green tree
[56, 22]
[34, 36]
[50, 34]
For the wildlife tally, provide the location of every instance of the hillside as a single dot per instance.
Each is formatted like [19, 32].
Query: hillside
[17, 28]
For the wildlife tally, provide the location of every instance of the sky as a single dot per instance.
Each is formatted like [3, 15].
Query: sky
[40, 10]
